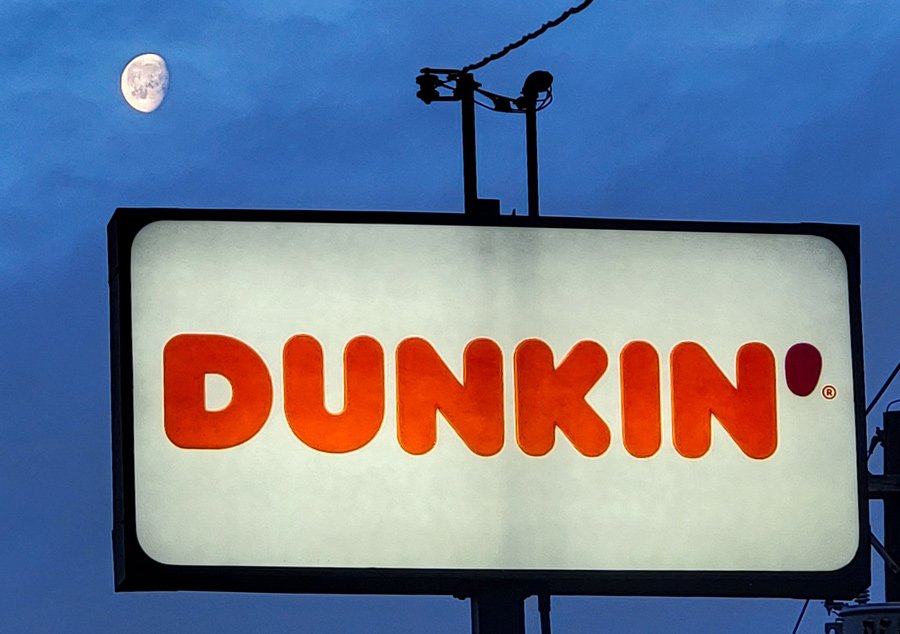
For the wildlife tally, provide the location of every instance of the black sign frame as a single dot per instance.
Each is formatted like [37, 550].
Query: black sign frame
[135, 570]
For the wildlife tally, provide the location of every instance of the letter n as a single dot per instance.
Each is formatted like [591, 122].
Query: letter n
[304, 394]
[747, 410]
[548, 397]
[425, 385]
[187, 359]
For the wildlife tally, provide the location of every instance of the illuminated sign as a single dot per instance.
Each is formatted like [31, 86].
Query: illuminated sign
[327, 401]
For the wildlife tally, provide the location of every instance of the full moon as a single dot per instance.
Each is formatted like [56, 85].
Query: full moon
[145, 81]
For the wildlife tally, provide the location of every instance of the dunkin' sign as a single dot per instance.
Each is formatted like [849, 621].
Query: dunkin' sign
[410, 393]
[548, 396]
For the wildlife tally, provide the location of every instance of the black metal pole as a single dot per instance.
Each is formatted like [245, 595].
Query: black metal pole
[531, 157]
[498, 611]
[891, 441]
[544, 611]
[465, 91]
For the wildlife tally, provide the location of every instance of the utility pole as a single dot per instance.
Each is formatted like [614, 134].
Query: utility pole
[886, 487]
[890, 438]
[880, 617]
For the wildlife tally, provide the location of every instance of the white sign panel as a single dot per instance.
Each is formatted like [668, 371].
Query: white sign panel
[438, 396]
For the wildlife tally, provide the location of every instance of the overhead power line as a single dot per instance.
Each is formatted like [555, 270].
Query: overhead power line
[527, 37]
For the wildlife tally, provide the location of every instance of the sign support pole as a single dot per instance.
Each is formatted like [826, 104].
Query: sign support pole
[475, 207]
[498, 611]
[532, 160]
[465, 92]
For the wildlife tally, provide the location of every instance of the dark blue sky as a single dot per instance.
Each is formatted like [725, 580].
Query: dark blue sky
[745, 110]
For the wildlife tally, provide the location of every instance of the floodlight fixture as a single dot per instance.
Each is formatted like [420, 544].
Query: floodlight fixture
[448, 84]
[537, 82]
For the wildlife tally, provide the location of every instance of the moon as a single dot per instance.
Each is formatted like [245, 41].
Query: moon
[145, 81]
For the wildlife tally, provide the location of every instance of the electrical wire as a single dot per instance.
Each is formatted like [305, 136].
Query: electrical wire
[486, 106]
[527, 37]
[883, 389]
[543, 103]
[451, 77]
[546, 102]
[800, 618]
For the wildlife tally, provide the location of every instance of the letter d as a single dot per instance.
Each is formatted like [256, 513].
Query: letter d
[187, 359]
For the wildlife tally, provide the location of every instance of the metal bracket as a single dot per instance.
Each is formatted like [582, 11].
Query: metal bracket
[883, 486]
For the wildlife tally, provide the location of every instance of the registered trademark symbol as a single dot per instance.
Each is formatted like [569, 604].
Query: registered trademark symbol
[829, 392]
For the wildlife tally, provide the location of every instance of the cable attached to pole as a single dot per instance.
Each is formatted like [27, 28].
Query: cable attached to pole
[878, 438]
[883, 389]
[800, 618]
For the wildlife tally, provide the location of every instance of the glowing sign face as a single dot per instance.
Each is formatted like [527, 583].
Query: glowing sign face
[391, 396]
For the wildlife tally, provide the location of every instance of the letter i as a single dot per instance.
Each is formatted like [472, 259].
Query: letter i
[641, 417]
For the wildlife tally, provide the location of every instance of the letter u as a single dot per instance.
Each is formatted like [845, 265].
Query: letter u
[304, 394]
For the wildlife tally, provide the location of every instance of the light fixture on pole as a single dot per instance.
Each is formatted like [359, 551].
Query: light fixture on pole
[461, 86]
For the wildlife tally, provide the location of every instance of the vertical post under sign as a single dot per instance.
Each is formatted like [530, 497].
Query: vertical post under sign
[531, 159]
[465, 92]
[498, 611]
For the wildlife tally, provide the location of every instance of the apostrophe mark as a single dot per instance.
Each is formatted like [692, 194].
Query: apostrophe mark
[802, 368]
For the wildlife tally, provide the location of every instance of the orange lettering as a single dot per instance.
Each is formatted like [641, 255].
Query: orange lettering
[746, 411]
[641, 417]
[304, 394]
[474, 408]
[187, 359]
[548, 397]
